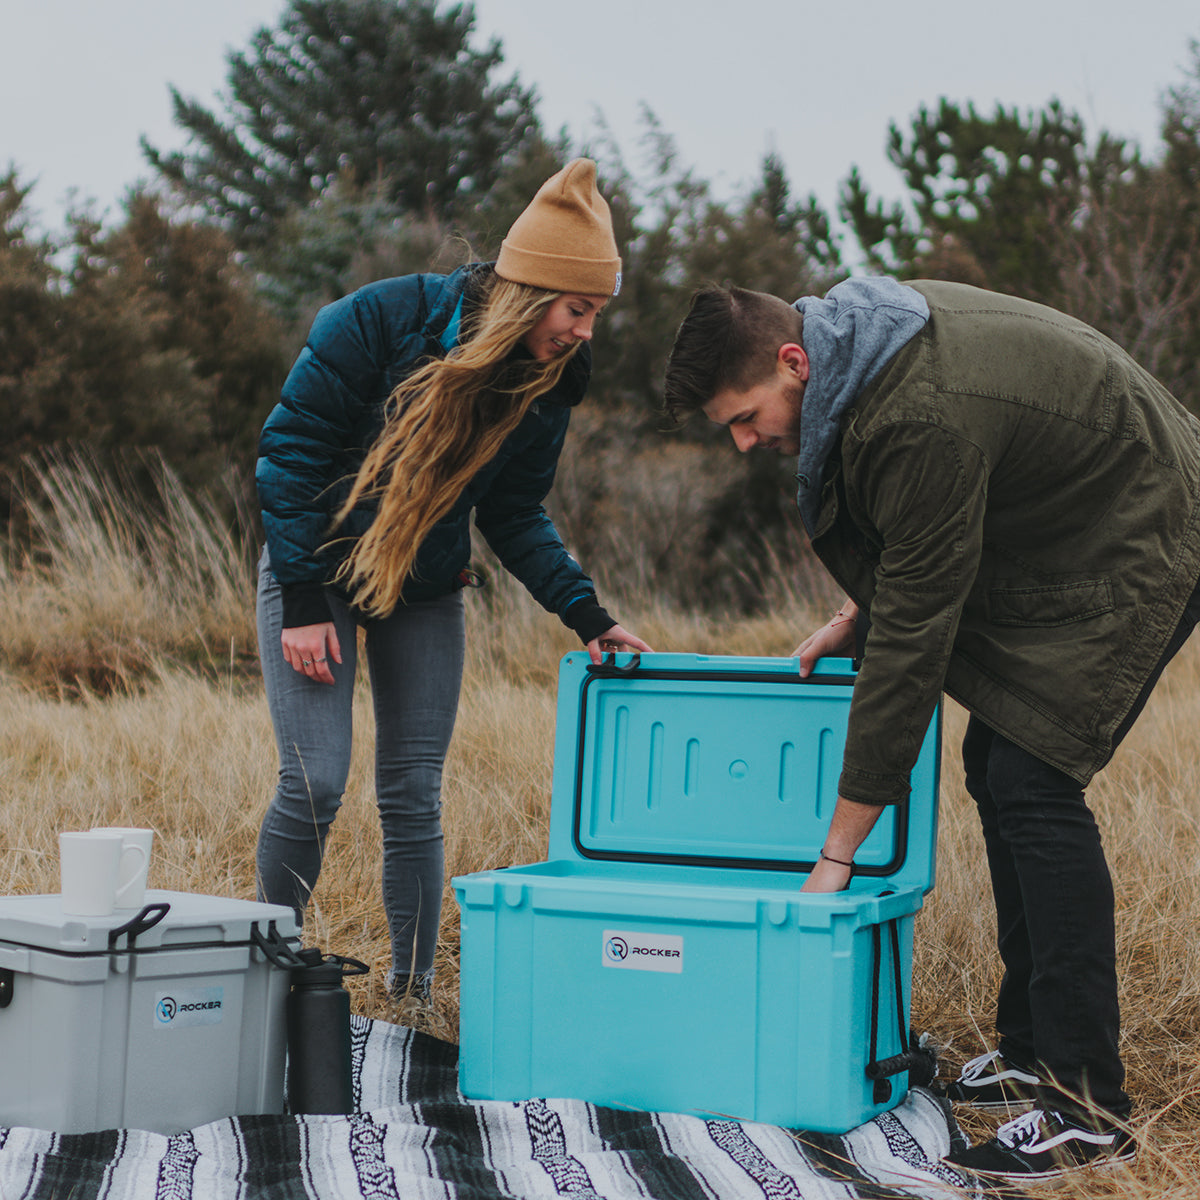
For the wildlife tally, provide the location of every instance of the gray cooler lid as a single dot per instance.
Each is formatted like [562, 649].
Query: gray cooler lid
[188, 920]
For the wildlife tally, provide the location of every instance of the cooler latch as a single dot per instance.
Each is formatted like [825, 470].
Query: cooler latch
[608, 665]
[275, 948]
[145, 919]
[6, 986]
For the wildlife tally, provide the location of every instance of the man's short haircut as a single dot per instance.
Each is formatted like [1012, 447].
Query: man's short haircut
[728, 340]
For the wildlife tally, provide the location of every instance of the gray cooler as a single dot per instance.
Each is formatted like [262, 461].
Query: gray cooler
[162, 1018]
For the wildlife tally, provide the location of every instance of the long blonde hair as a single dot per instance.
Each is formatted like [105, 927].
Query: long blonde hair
[444, 423]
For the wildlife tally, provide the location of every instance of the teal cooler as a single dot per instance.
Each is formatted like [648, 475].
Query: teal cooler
[664, 957]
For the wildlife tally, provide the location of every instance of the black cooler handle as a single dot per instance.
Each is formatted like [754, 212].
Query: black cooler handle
[879, 1069]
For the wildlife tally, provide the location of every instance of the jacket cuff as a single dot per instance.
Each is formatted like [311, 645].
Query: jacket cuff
[863, 787]
[587, 619]
[304, 604]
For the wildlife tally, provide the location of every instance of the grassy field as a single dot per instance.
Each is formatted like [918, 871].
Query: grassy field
[129, 695]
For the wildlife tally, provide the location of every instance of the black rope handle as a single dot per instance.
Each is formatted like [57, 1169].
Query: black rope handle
[877, 1069]
[881, 1095]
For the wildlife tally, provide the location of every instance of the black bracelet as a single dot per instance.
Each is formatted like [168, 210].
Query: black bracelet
[840, 862]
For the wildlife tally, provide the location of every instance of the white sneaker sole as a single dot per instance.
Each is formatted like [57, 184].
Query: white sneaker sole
[1100, 1163]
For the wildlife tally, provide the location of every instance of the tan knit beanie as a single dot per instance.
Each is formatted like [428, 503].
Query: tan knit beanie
[564, 241]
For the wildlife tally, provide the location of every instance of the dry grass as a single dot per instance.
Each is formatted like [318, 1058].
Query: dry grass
[190, 753]
[1145, 802]
[98, 591]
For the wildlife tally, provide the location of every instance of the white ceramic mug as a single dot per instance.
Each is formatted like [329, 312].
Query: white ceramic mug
[131, 880]
[92, 866]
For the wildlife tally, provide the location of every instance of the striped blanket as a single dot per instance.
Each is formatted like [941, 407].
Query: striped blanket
[413, 1136]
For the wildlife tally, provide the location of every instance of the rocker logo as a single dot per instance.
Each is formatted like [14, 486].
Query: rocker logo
[616, 949]
[191, 1006]
[642, 951]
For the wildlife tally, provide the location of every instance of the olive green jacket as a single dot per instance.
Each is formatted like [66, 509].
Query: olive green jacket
[1016, 502]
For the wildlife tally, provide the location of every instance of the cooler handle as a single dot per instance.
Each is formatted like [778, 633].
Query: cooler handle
[146, 919]
[891, 1066]
[878, 1069]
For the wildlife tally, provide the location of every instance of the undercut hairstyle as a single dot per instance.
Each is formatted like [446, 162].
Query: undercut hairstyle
[728, 341]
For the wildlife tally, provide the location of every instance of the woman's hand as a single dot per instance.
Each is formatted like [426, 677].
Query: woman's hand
[308, 649]
[835, 637]
[614, 639]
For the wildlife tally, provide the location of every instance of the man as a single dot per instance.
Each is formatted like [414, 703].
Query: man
[1012, 506]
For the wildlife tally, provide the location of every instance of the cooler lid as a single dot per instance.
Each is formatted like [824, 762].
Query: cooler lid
[720, 761]
[167, 920]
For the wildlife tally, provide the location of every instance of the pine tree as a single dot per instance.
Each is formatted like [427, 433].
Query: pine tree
[151, 339]
[372, 93]
[33, 369]
[988, 194]
[1130, 261]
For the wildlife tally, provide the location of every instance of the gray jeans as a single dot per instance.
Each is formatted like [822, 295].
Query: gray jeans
[415, 660]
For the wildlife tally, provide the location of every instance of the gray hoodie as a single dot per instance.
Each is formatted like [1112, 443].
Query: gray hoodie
[849, 336]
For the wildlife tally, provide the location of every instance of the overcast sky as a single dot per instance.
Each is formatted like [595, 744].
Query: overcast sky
[80, 80]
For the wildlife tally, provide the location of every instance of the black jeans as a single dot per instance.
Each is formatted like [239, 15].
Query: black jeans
[1057, 1008]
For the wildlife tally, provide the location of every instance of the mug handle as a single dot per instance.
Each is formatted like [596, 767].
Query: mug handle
[126, 880]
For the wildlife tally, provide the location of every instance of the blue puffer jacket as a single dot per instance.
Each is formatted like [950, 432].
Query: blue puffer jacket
[332, 409]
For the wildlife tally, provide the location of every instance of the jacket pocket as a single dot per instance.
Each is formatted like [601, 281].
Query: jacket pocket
[1050, 604]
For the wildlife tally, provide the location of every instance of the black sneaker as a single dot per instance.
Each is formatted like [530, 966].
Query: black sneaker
[989, 1084]
[1041, 1145]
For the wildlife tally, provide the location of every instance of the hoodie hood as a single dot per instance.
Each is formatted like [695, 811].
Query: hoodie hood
[850, 335]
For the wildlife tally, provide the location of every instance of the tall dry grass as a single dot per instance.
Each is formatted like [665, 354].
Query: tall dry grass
[184, 745]
[114, 574]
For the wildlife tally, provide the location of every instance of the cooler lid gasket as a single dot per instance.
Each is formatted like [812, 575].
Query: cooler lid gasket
[887, 861]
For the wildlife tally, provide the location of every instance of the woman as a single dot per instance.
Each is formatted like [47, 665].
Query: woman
[415, 401]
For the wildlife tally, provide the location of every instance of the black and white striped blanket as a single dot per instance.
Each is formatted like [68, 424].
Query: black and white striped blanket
[414, 1137]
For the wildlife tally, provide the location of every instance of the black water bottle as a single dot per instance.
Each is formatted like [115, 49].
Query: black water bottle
[319, 1078]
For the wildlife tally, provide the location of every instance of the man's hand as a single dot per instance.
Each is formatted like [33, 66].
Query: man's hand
[847, 831]
[827, 876]
[835, 637]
